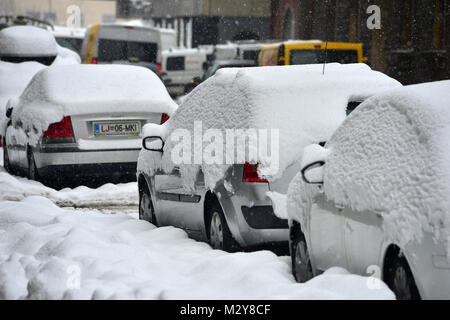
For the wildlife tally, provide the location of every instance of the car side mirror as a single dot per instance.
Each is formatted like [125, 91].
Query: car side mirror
[153, 143]
[313, 172]
[9, 112]
[313, 161]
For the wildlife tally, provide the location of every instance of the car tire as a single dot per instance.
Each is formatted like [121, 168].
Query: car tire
[301, 261]
[32, 170]
[401, 280]
[6, 163]
[146, 208]
[219, 234]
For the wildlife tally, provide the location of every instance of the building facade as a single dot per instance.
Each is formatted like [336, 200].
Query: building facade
[200, 22]
[411, 45]
[58, 12]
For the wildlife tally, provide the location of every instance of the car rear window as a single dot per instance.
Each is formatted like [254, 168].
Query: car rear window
[73, 44]
[318, 56]
[175, 63]
[113, 50]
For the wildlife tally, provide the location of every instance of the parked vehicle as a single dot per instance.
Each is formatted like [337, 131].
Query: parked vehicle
[212, 69]
[179, 66]
[309, 52]
[105, 43]
[82, 122]
[25, 50]
[228, 203]
[70, 38]
[375, 198]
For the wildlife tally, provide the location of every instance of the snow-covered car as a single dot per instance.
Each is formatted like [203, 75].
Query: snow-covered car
[83, 121]
[375, 199]
[25, 50]
[222, 193]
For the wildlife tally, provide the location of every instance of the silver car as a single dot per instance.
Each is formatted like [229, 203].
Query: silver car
[83, 122]
[374, 200]
[236, 209]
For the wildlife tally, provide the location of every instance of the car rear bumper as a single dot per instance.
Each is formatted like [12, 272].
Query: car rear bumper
[73, 162]
[251, 218]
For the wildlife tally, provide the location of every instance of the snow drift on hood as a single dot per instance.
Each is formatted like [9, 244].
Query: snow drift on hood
[61, 91]
[302, 103]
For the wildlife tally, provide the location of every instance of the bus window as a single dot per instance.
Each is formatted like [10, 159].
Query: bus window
[114, 50]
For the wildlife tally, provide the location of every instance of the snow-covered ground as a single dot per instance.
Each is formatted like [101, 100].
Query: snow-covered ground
[88, 244]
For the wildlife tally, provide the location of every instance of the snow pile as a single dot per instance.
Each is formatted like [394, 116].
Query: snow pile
[14, 77]
[392, 156]
[47, 252]
[27, 41]
[17, 189]
[83, 89]
[298, 101]
[66, 57]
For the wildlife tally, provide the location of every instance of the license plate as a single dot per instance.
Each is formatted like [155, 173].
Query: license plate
[122, 128]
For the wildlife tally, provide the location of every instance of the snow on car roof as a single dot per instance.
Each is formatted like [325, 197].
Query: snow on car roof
[302, 103]
[392, 155]
[27, 41]
[83, 89]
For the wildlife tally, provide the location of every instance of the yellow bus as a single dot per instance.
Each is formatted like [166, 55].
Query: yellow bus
[310, 52]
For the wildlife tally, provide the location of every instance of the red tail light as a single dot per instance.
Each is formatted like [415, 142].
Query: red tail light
[164, 118]
[62, 129]
[251, 173]
[159, 67]
[94, 61]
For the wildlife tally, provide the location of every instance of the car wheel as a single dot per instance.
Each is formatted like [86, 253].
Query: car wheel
[301, 262]
[401, 280]
[219, 234]
[6, 163]
[146, 209]
[32, 170]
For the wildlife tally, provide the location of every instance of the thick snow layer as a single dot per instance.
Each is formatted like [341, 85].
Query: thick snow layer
[48, 252]
[27, 41]
[300, 102]
[392, 156]
[61, 91]
[66, 57]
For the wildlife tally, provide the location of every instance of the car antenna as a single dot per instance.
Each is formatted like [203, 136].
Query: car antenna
[326, 36]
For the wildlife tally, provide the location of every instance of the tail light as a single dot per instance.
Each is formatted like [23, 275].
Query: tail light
[94, 61]
[159, 67]
[164, 117]
[251, 173]
[60, 132]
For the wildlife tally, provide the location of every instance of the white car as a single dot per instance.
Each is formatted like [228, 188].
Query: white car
[83, 122]
[227, 202]
[375, 200]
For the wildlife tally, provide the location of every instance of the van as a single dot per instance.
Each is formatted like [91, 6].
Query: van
[180, 66]
[109, 43]
[310, 52]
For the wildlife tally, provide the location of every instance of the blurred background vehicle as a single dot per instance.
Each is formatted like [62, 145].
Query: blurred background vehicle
[105, 43]
[310, 52]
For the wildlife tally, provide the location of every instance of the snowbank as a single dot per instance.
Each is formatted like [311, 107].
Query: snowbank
[83, 89]
[304, 105]
[27, 41]
[392, 155]
[47, 252]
